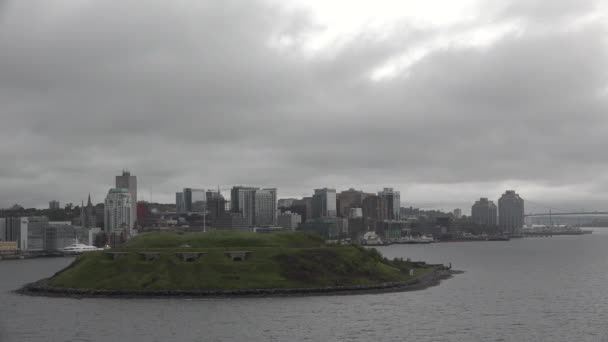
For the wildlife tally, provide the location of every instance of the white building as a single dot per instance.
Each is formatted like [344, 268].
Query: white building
[289, 221]
[117, 211]
[126, 181]
[266, 207]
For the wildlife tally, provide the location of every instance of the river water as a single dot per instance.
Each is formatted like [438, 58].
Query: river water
[535, 289]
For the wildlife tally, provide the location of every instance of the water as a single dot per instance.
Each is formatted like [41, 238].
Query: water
[537, 289]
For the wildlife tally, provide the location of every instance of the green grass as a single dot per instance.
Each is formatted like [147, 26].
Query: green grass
[225, 239]
[280, 260]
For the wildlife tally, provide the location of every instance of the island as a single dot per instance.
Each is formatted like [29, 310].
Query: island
[170, 264]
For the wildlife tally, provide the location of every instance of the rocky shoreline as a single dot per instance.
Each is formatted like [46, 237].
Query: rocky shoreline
[433, 278]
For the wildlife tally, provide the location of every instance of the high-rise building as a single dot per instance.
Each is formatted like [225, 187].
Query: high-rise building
[484, 213]
[216, 205]
[324, 203]
[350, 198]
[117, 211]
[392, 203]
[265, 207]
[242, 200]
[126, 181]
[303, 207]
[288, 220]
[195, 200]
[373, 207]
[457, 213]
[54, 205]
[180, 205]
[510, 212]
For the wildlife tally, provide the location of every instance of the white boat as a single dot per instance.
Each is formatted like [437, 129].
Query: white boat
[78, 248]
[424, 239]
[371, 239]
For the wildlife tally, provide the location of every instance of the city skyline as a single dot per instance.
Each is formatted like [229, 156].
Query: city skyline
[464, 206]
[444, 102]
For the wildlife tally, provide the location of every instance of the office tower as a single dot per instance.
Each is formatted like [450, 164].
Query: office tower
[373, 207]
[216, 205]
[195, 200]
[265, 207]
[126, 181]
[392, 203]
[117, 211]
[303, 207]
[457, 213]
[510, 212]
[324, 203]
[180, 206]
[242, 201]
[350, 198]
[484, 213]
[288, 220]
[54, 205]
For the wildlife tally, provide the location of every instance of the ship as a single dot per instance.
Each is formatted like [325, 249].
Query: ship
[78, 248]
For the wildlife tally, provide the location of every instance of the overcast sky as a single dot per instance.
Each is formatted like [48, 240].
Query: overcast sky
[446, 101]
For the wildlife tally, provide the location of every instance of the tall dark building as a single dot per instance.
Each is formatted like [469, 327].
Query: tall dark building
[348, 199]
[510, 212]
[484, 213]
[216, 205]
[303, 207]
[195, 200]
[391, 204]
[373, 207]
[242, 201]
[324, 203]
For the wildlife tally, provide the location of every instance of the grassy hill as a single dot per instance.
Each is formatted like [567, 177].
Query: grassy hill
[278, 260]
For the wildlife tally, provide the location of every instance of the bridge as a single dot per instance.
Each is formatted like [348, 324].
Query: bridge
[574, 213]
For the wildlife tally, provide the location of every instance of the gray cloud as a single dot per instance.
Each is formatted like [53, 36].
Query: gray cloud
[196, 94]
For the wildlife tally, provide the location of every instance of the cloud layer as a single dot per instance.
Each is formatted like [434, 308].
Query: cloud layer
[208, 93]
